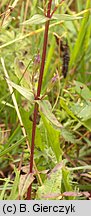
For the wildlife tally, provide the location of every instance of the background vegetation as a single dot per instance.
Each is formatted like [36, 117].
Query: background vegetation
[62, 155]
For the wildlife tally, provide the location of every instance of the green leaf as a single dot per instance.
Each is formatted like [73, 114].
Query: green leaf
[71, 113]
[46, 109]
[82, 90]
[78, 49]
[87, 124]
[22, 71]
[6, 151]
[65, 106]
[82, 110]
[85, 113]
[53, 138]
[47, 75]
[65, 17]
[23, 91]
[68, 135]
[84, 187]
[66, 179]
[28, 127]
[52, 184]
[36, 19]
[14, 191]
[13, 137]
[4, 189]
[7, 104]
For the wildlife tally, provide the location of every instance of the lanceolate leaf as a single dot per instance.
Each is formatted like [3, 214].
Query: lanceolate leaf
[20, 71]
[53, 138]
[7, 150]
[36, 19]
[25, 181]
[46, 109]
[39, 19]
[23, 91]
[65, 17]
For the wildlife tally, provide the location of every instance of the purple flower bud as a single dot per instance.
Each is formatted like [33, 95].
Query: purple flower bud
[54, 79]
[37, 59]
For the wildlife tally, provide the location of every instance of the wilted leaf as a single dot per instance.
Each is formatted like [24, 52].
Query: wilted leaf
[86, 194]
[66, 194]
[25, 181]
[56, 168]
[25, 169]
[70, 193]
[74, 194]
[52, 196]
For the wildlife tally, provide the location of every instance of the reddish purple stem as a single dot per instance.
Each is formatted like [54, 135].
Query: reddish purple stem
[38, 95]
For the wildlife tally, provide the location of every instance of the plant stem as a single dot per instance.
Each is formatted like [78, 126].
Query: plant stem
[56, 7]
[38, 94]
